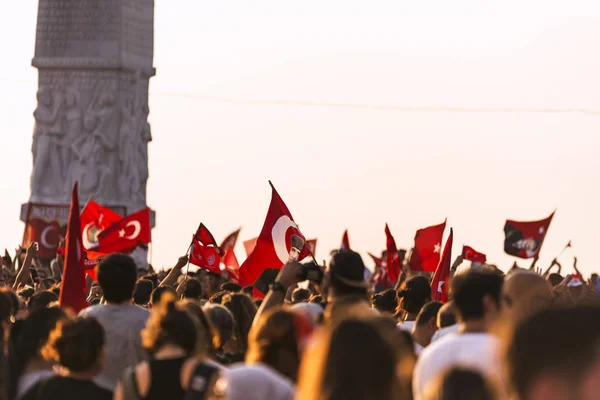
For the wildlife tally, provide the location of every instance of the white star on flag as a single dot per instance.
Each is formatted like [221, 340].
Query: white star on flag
[437, 248]
[542, 230]
[122, 233]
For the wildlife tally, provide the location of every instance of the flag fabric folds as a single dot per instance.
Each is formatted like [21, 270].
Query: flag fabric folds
[439, 283]
[72, 291]
[232, 266]
[230, 241]
[345, 242]
[393, 258]
[470, 254]
[94, 219]
[128, 233]
[204, 251]
[428, 246]
[525, 239]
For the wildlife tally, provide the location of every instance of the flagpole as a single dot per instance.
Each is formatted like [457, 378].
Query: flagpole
[188, 252]
[27, 218]
[564, 249]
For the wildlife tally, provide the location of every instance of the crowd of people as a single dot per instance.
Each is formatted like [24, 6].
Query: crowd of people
[523, 334]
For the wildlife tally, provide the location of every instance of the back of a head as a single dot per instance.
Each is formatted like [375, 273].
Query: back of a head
[223, 321]
[142, 292]
[470, 291]
[77, 345]
[386, 301]
[117, 275]
[447, 315]
[272, 341]
[243, 310]
[428, 312]
[193, 289]
[555, 348]
[169, 324]
[525, 293]
[414, 294]
[460, 384]
[206, 331]
[41, 300]
[347, 274]
[555, 279]
[159, 292]
[231, 287]
[300, 295]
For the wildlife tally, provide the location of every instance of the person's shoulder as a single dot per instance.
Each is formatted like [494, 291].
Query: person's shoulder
[92, 311]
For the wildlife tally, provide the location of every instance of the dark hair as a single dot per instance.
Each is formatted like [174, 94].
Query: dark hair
[300, 295]
[14, 300]
[223, 321]
[258, 302]
[217, 298]
[460, 384]
[560, 342]
[207, 334]
[159, 292]
[231, 287]
[555, 279]
[142, 292]
[385, 301]
[26, 292]
[446, 316]
[169, 324]
[117, 275]
[272, 341]
[414, 294]
[56, 288]
[193, 289]
[243, 310]
[41, 300]
[429, 311]
[347, 274]
[248, 290]
[152, 278]
[76, 344]
[29, 341]
[470, 290]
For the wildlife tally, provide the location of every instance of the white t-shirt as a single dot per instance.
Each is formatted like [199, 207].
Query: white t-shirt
[440, 333]
[256, 382]
[471, 350]
[406, 326]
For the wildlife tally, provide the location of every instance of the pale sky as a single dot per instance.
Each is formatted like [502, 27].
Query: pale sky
[353, 167]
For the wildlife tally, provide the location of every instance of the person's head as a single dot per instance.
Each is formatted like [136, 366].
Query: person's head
[6, 313]
[426, 322]
[30, 339]
[222, 320]
[524, 293]
[346, 275]
[193, 289]
[142, 292]
[300, 295]
[477, 296]
[460, 384]
[385, 302]
[358, 359]
[152, 278]
[77, 345]
[555, 279]
[170, 325]
[446, 315]
[272, 341]
[159, 293]
[212, 283]
[413, 295]
[555, 354]
[243, 310]
[217, 298]
[117, 275]
[207, 333]
[41, 300]
[347, 307]
[231, 287]
[296, 247]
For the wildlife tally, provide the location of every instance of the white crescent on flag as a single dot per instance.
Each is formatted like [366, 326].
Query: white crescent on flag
[44, 239]
[136, 231]
[278, 234]
[85, 235]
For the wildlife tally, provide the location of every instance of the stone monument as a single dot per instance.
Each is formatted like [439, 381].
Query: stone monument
[94, 61]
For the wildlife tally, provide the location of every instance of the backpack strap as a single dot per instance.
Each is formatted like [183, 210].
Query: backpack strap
[130, 386]
[200, 381]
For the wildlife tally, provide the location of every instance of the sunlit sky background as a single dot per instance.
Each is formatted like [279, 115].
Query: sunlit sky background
[353, 167]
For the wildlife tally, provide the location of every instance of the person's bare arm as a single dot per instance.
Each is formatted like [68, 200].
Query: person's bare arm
[554, 262]
[535, 260]
[286, 277]
[575, 268]
[23, 274]
[171, 279]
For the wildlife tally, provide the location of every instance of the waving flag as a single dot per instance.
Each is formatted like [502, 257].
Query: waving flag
[72, 290]
[345, 242]
[439, 283]
[525, 239]
[279, 242]
[393, 258]
[428, 246]
[232, 266]
[126, 234]
[204, 252]
[470, 254]
[94, 219]
[230, 241]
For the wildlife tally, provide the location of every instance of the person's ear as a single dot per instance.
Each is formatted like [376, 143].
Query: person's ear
[489, 305]
[432, 325]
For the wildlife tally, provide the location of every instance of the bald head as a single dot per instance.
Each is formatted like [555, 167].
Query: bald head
[525, 293]
[447, 315]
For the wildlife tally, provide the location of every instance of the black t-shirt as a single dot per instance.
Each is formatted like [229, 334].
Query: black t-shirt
[65, 388]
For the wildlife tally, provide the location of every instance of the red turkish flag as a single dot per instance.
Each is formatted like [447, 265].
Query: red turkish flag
[439, 283]
[249, 246]
[72, 290]
[273, 247]
[345, 242]
[45, 224]
[470, 254]
[232, 266]
[393, 258]
[204, 236]
[525, 239]
[379, 275]
[94, 219]
[230, 241]
[206, 257]
[126, 234]
[428, 246]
